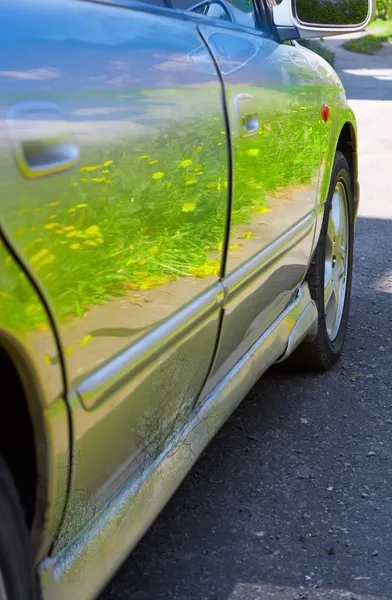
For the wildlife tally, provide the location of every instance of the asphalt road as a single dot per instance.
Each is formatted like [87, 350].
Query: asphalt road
[294, 496]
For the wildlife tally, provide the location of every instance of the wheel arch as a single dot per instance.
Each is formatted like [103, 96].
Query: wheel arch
[23, 437]
[347, 144]
[35, 435]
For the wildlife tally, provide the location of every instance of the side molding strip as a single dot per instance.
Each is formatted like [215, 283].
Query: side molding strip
[91, 558]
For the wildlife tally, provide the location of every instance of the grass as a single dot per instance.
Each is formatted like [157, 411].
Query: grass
[319, 48]
[150, 209]
[380, 33]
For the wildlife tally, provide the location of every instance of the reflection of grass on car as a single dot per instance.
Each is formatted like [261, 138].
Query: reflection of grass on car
[145, 214]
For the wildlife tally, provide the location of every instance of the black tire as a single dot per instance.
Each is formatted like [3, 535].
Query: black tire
[322, 353]
[16, 560]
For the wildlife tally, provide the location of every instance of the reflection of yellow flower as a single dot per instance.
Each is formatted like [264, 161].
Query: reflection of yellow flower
[188, 207]
[93, 230]
[85, 340]
[83, 205]
[107, 163]
[99, 179]
[233, 247]
[47, 359]
[259, 210]
[75, 246]
[47, 260]
[158, 175]
[191, 181]
[54, 203]
[143, 156]
[152, 162]
[89, 169]
[248, 235]
[68, 228]
[209, 268]
[69, 351]
[39, 255]
[185, 163]
[51, 225]
[148, 282]
[253, 152]
[90, 243]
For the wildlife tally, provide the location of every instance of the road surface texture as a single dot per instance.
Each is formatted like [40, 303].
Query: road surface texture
[293, 498]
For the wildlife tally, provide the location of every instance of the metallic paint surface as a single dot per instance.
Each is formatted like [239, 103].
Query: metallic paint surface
[135, 232]
[129, 248]
[84, 565]
[275, 178]
[28, 343]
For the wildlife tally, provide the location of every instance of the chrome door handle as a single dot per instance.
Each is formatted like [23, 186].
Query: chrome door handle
[246, 115]
[41, 140]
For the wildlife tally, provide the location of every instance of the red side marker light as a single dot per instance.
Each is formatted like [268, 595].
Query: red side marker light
[325, 112]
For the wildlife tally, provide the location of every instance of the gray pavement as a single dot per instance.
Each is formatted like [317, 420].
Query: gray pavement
[293, 499]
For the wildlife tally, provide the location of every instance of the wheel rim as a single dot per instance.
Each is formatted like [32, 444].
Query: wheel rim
[336, 260]
[3, 593]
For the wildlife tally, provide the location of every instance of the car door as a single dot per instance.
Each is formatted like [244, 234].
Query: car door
[115, 193]
[274, 119]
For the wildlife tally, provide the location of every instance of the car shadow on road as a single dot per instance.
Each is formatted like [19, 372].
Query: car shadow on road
[295, 488]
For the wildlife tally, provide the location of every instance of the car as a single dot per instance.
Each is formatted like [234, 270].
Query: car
[179, 190]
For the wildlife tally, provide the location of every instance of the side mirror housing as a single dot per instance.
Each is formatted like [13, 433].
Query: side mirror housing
[296, 19]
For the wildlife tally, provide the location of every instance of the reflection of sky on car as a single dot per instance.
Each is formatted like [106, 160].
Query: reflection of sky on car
[55, 48]
[105, 45]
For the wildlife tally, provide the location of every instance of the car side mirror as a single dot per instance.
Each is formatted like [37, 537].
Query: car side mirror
[320, 18]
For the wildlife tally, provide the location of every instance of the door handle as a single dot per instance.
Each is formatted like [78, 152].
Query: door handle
[246, 115]
[41, 140]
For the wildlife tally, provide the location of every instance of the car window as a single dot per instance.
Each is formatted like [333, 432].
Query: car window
[237, 11]
[165, 3]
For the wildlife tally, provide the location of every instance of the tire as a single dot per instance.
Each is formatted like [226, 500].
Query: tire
[17, 574]
[324, 351]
